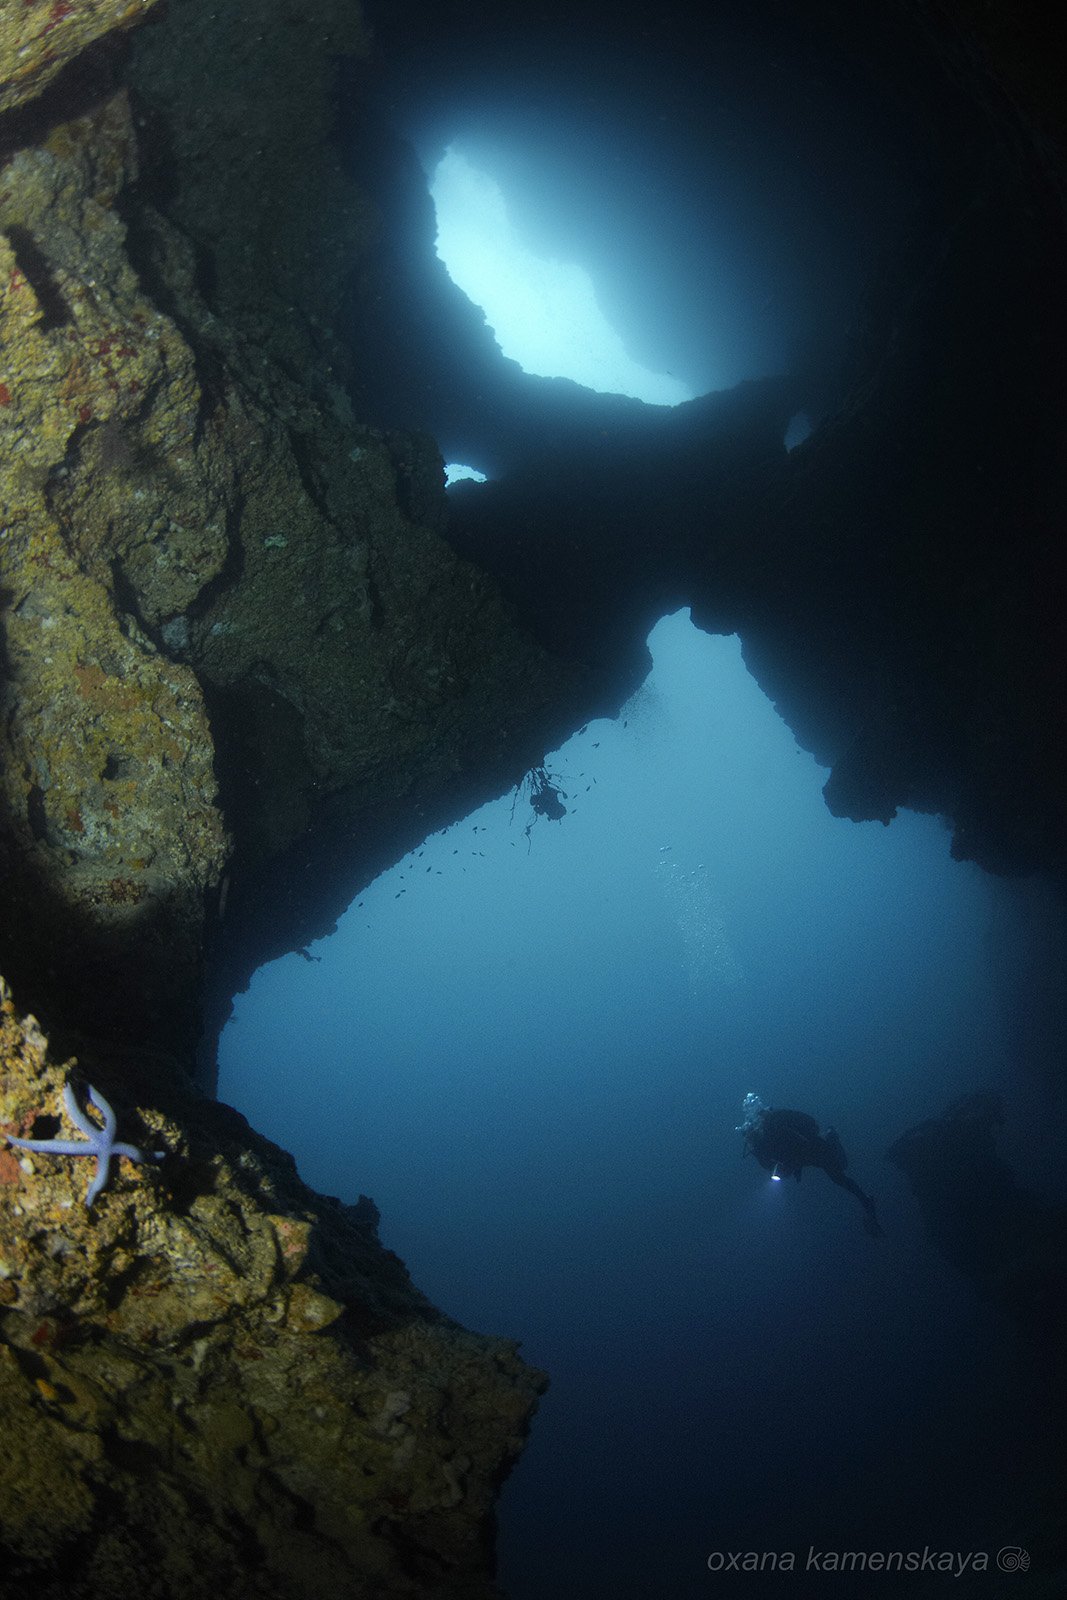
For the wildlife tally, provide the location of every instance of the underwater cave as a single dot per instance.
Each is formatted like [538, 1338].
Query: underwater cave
[558, 1019]
[550, 1024]
[531, 598]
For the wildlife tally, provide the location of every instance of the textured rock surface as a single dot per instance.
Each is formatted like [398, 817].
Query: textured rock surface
[364, 685]
[216, 1382]
[213, 572]
[111, 830]
[38, 38]
[230, 629]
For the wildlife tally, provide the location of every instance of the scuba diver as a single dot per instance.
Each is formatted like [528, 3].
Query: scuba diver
[785, 1142]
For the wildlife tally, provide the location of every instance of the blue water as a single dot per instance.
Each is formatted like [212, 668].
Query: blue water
[530, 1049]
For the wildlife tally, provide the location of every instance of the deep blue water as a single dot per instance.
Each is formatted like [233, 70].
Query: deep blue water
[531, 1051]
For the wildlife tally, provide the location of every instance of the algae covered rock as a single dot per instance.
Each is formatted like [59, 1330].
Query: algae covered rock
[230, 623]
[217, 1383]
[38, 38]
[111, 832]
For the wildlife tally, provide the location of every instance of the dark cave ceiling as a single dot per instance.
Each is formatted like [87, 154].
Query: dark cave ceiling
[896, 581]
[730, 178]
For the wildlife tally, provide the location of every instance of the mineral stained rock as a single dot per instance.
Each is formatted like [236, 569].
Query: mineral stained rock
[218, 1383]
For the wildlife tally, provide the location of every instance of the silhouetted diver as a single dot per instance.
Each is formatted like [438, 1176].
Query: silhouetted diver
[1011, 1241]
[785, 1142]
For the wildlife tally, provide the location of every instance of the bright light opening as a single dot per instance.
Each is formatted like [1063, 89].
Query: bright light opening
[454, 473]
[544, 313]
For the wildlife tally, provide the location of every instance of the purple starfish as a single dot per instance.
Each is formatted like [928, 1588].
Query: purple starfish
[98, 1142]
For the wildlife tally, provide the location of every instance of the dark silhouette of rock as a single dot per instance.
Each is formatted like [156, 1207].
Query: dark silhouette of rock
[1007, 1239]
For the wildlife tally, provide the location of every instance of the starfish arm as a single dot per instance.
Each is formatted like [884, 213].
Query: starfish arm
[77, 1115]
[98, 1142]
[103, 1164]
[106, 1112]
[53, 1147]
[130, 1151]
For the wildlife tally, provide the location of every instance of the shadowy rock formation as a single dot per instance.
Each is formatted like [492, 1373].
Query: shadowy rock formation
[1009, 1241]
[214, 574]
[898, 580]
[114, 519]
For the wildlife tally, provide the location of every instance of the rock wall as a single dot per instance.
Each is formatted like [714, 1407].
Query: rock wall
[230, 623]
[215, 1382]
[231, 637]
[112, 836]
[40, 39]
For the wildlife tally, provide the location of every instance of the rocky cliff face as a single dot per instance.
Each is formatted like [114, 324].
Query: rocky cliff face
[242, 668]
[231, 632]
[215, 573]
[215, 1382]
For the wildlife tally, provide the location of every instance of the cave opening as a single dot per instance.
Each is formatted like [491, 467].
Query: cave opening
[725, 179]
[459, 472]
[529, 1042]
[543, 312]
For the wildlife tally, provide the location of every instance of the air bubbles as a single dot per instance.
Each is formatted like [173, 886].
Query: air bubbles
[700, 917]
